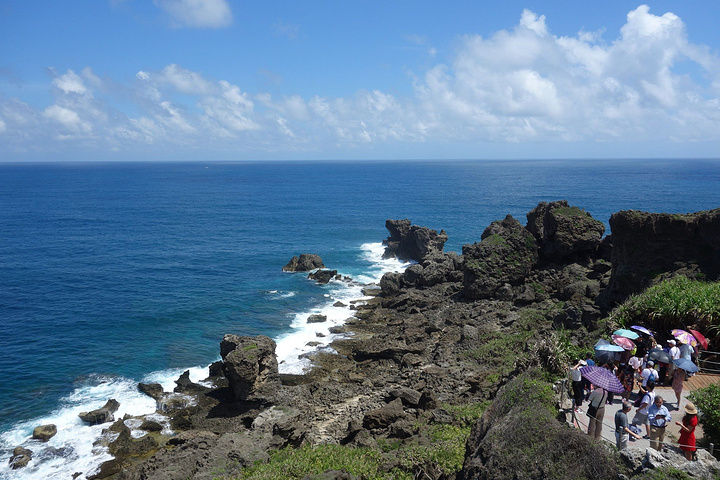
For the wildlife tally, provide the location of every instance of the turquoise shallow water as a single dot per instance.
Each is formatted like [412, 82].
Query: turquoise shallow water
[119, 270]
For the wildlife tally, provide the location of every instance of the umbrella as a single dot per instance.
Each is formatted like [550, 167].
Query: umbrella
[700, 338]
[684, 337]
[602, 341]
[603, 378]
[609, 348]
[642, 330]
[624, 342]
[683, 363]
[626, 333]
[604, 356]
[658, 355]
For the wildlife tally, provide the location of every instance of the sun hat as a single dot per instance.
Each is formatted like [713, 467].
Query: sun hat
[690, 408]
[672, 342]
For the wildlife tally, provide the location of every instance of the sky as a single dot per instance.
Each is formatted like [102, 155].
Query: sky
[176, 80]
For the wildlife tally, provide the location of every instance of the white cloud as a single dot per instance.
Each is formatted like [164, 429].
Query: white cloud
[197, 13]
[520, 85]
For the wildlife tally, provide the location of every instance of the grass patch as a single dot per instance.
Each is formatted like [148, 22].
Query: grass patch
[674, 303]
[494, 240]
[571, 212]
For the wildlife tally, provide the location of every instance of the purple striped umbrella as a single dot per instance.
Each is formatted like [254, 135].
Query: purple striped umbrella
[603, 378]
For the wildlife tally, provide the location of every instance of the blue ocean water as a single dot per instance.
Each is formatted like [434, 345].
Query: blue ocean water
[113, 272]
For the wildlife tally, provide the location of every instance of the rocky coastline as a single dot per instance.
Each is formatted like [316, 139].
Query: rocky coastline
[451, 337]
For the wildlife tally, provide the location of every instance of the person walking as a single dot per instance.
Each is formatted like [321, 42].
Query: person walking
[596, 411]
[577, 384]
[677, 384]
[658, 417]
[622, 430]
[687, 431]
[641, 414]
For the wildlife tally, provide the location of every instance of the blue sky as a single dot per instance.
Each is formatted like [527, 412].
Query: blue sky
[223, 80]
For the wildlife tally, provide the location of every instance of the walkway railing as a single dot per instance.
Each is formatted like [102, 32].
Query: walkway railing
[709, 362]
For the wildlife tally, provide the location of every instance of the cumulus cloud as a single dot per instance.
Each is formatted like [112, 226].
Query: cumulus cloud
[519, 85]
[197, 13]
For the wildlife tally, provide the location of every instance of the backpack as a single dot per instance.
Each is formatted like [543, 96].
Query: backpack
[652, 377]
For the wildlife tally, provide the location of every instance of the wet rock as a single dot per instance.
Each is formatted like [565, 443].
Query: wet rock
[250, 365]
[20, 458]
[151, 426]
[153, 390]
[125, 444]
[101, 415]
[44, 432]
[304, 263]
[411, 242]
[317, 318]
[323, 276]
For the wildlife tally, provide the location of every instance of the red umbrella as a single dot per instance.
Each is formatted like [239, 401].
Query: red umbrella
[624, 342]
[700, 338]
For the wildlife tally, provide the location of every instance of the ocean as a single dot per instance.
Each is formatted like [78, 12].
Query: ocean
[115, 273]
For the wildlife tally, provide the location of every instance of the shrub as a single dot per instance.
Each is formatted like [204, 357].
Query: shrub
[674, 303]
[707, 400]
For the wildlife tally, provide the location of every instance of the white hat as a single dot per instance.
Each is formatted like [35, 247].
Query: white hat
[671, 342]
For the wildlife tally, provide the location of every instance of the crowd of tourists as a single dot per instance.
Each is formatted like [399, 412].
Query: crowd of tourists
[641, 364]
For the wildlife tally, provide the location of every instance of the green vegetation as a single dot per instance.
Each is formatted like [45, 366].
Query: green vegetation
[570, 212]
[252, 346]
[674, 303]
[667, 473]
[495, 240]
[707, 400]
[444, 448]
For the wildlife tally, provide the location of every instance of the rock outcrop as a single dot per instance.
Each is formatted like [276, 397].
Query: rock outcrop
[646, 245]
[323, 276]
[412, 242]
[304, 263]
[505, 255]
[101, 415]
[250, 365]
[20, 458]
[564, 233]
[44, 432]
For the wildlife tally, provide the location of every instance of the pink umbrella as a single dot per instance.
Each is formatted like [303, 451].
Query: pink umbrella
[684, 337]
[623, 342]
[700, 338]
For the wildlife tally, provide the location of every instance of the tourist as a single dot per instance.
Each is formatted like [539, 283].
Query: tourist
[596, 411]
[658, 417]
[622, 430]
[641, 414]
[626, 374]
[586, 383]
[677, 384]
[648, 373]
[577, 384]
[687, 431]
[674, 353]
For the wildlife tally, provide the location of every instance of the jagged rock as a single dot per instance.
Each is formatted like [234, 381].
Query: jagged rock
[125, 444]
[564, 233]
[153, 390]
[291, 430]
[151, 426]
[394, 350]
[44, 432]
[506, 254]
[250, 365]
[384, 416]
[411, 242]
[306, 262]
[185, 385]
[101, 415]
[402, 429]
[20, 458]
[409, 397]
[390, 283]
[647, 244]
[323, 276]
[339, 304]
[316, 318]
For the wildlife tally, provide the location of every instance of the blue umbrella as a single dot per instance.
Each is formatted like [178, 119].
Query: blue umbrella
[642, 330]
[683, 363]
[626, 333]
[610, 348]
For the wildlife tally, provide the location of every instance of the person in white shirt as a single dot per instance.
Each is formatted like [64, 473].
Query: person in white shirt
[641, 414]
[648, 373]
[674, 354]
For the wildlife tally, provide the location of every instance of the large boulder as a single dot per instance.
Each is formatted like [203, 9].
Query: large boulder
[20, 458]
[323, 276]
[411, 242]
[305, 263]
[101, 415]
[564, 233]
[648, 244]
[250, 365]
[44, 432]
[506, 254]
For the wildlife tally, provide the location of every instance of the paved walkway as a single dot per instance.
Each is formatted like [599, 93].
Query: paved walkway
[672, 431]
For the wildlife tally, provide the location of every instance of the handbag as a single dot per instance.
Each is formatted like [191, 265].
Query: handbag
[592, 411]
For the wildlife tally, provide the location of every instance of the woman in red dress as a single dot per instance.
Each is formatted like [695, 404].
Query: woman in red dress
[687, 430]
